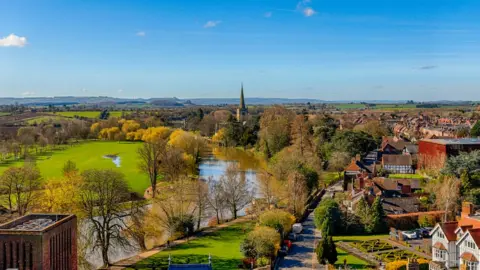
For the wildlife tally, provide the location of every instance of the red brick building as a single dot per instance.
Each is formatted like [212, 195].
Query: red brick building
[39, 242]
[437, 150]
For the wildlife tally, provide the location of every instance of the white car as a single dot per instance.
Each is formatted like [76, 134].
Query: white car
[410, 234]
[297, 228]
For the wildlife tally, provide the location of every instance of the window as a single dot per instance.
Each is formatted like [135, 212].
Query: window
[440, 254]
[471, 265]
[440, 235]
[470, 244]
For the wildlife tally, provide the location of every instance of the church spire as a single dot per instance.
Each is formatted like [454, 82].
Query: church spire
[242, 99]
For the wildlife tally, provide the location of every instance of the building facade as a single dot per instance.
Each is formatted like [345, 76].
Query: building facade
[39, 242]
[437, 150]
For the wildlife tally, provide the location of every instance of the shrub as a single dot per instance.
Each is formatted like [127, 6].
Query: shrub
[402, 265]
[263, 261]
[427, 221]
[261, 242]
[279, 220]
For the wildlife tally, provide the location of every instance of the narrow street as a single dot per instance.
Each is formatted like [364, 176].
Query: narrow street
[302, 255]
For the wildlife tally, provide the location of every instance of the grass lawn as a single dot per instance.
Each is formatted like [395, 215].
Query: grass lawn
[329, 177]
[352, 261]
[89, 155]
[223, 246]
[88, 114]
[4, 113]
[406, 176]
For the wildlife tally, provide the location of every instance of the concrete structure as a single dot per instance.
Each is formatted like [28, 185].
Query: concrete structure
[437, 150]
[39, 242]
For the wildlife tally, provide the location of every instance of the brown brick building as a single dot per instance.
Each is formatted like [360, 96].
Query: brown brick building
[39, 242]
[437, 150]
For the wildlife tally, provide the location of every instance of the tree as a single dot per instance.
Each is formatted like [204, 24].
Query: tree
[20, 184]
[322, 250]
[261, 242]
[279, 220]
[362, 210]
[296, 192]
[150, 154]
[332, 255]
[301, 133]
[475, 132]
[69, 168]
[102, 194]
[375, 128]
[448, 194]
[338, 161]
[275, 129]
[353, 142]
[468, 163]
[190, 143]
[328, 209]
[379, 223]
[216, 198]
[236, 189]
[201, 191]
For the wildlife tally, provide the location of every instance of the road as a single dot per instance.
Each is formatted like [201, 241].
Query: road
[302, 255]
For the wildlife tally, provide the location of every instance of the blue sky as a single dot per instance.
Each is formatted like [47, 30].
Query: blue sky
[325, 49]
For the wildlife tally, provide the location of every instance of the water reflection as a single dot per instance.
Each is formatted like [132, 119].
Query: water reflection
[115, 159]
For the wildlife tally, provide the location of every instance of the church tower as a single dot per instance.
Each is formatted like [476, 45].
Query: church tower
[242, 109]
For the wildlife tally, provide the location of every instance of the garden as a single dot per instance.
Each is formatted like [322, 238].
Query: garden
[376, 245]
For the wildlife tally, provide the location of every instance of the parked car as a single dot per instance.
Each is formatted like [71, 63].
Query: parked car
[410, 235]
[297, 228]
[425, 232]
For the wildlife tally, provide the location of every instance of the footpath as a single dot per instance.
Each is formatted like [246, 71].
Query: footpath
[146, 254]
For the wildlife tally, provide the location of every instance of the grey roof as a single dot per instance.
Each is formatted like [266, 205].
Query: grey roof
[190, 266]
[412, 148]
[454, 141]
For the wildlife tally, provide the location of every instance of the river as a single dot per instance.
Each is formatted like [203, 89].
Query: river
[212, 166]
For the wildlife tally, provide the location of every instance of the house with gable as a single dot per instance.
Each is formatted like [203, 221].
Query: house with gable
[444, 250]
[456, 245]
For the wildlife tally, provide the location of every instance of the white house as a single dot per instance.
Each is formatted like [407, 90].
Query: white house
[444, 250]
[468, 249]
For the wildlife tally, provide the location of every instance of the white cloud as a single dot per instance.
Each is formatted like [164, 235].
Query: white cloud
[120, 90]
[141, 33]
[84, 90]
[309, 12]
[13, 41]
[268, 14]
[211, 24]
[28, 94]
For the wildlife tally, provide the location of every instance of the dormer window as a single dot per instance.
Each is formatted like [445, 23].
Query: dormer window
[440, 235]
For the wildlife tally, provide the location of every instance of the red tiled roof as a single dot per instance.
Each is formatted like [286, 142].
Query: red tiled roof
[467, 256]
[448, 229]
[439, 245]
[466, 227]
[475, 233]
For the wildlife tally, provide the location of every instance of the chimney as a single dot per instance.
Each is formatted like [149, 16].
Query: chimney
[361, 183]
[467, 209]
[357, 157]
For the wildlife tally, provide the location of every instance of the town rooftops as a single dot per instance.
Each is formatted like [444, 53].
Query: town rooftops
[34, 223]
[398, 160]
[462, 141]
[449, 229]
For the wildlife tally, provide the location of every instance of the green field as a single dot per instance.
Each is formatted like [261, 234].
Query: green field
[406, 176]
[88, 114]
[42, 119]
[89, 155]
[352, 261]
[223, 245]
[4, 113]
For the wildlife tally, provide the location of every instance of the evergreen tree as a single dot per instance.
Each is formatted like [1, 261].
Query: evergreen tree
[327, 229]
[379, 224]
[363, 211]
[322, 250]
[332, 251]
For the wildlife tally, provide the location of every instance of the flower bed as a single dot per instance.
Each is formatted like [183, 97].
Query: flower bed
[396, 255]
[373, 246]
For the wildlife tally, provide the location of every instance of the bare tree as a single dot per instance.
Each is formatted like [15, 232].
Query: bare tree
[296, 192]
[236, 189]
[448, 194]
[172, 163]
[150, 155]
[338, 162]
[101, 195]
[216, 198]
[201, 191]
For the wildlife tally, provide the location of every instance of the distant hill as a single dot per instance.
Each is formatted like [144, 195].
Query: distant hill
[176, 102]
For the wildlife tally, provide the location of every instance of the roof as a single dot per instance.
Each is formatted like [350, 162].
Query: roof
[413, 183]
[462, 141]
[398, 160]
[190, 266]
[34, 222]
[467, 256]
[356, 165]
[463, 228]
[412, 148]
[400, 205]
[448, 229]
[475, 234]
[439, 245]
